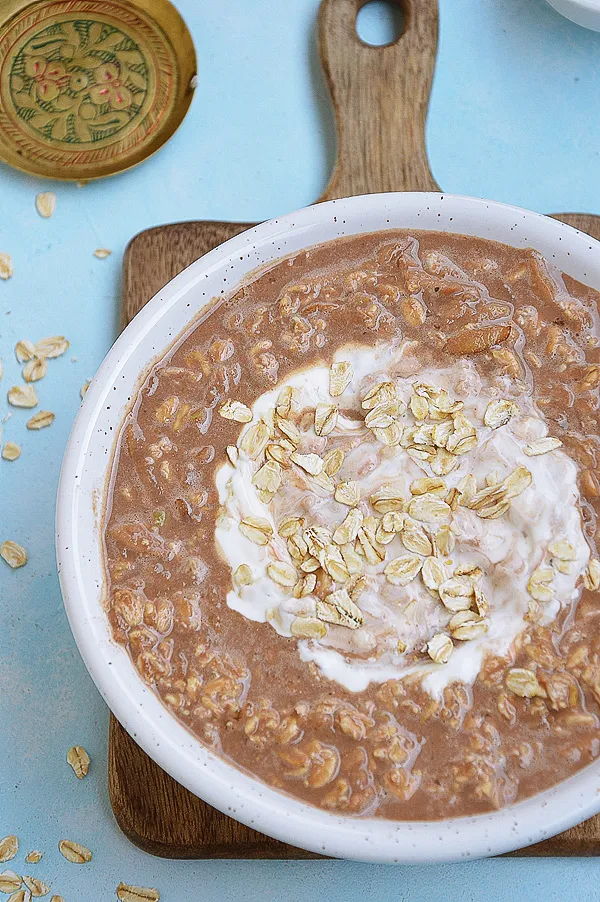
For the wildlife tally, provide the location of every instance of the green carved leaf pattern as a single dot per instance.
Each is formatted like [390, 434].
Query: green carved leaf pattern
[80, 81]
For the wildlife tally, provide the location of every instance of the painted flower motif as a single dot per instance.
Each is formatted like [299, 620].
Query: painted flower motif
[48, 77]
[79, 81]
[109, 88]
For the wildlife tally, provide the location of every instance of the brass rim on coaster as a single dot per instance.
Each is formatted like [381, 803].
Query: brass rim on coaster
[89, 88]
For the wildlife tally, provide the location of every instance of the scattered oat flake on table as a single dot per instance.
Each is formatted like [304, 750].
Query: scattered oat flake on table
[137, 893]
[15, 556]
[6, 267]
[35, 369]
[36, 887]
[54, 899]
[40, 420]
[24, 350]
[11, 451]
[9, 882]
[22, 396]
[1, 369]
[83, 390]
[74, 852]
[22, 895]
[102, 253]
[34, 857]
[9, 846]
[79, 760]
[51, 347]
[45, 203]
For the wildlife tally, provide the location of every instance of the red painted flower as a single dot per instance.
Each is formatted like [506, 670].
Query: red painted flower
[109, 88]
[48, 77]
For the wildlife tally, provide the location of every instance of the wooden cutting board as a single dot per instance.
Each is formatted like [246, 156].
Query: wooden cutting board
[380, 96]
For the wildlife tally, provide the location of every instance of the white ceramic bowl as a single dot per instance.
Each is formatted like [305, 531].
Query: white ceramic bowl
[82, 484]
[582, 12]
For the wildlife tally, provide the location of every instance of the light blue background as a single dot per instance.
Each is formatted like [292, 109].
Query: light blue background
[514, 116]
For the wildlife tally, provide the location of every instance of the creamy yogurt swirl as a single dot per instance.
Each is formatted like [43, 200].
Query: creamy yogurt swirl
[400, 620]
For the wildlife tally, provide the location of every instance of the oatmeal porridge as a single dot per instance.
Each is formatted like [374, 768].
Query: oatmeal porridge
[350, 528]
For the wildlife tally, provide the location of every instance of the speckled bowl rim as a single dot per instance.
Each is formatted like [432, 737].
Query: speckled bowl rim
[582, 12]
[83, 475]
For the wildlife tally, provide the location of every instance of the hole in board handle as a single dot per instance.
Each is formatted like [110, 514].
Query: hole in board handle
[380, 23]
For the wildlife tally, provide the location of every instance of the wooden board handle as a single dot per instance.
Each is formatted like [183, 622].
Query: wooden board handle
[380, 97]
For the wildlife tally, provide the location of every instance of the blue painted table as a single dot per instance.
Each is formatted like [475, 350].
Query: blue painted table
[513, 117]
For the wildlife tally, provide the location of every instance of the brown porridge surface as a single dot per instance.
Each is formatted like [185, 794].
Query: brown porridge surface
[391, 750]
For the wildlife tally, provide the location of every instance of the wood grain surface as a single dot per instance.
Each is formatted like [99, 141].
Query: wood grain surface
[380, 98]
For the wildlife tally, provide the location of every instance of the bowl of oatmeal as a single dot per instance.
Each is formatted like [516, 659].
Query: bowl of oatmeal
[326, 528]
